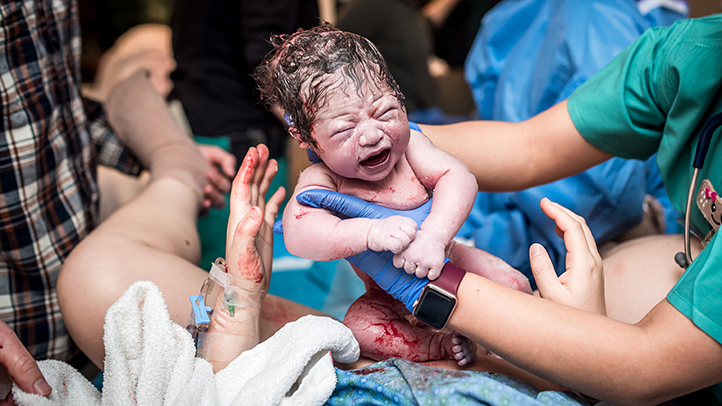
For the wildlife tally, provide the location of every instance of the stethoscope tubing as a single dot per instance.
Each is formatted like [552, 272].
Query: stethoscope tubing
[699, 156]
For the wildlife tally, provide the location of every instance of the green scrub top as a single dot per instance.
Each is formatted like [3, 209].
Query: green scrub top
[655, 97]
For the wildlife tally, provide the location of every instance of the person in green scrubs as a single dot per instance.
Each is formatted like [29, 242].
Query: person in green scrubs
[633, 328]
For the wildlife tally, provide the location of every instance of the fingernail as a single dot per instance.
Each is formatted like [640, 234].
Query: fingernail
[42, 387]
[536, 249]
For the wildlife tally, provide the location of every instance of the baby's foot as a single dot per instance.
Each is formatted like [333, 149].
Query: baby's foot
[461, 349]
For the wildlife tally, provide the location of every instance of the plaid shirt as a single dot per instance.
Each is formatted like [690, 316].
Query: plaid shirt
[51, 140]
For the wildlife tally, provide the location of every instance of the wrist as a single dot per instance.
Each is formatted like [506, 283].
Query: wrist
[434, 237]
[438, 299]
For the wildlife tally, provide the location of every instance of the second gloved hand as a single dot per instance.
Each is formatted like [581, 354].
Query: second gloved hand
[378, 265]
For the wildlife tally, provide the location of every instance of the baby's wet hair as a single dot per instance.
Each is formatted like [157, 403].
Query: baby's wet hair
[292, 74]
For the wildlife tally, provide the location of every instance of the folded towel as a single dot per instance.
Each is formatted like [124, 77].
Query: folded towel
[151, 361]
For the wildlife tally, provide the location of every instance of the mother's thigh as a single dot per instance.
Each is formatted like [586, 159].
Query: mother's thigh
[639, 273]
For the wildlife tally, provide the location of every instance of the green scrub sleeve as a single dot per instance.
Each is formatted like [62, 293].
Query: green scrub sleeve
[697, 293]
[616, 110]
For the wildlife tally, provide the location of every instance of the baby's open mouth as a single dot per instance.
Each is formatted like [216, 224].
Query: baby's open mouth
[377, 159]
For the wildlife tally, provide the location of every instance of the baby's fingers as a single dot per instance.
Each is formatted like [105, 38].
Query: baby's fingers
[391, 234]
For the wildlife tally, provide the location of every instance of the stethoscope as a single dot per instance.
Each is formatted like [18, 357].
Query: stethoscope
[684, 259]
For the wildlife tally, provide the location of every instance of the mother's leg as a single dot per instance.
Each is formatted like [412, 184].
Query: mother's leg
[639, 273]
[152, 238]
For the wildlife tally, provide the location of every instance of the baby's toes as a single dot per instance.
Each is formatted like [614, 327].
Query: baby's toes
[463, 350]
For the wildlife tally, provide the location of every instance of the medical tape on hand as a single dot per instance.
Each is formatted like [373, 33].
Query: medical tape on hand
[226, 281]
[231, 291]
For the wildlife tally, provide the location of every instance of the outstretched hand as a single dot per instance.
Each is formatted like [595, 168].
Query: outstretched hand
[582, 285]
[235, 325]
[20, 365]
[249, 237]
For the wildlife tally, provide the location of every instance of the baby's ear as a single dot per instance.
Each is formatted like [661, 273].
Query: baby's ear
[296, 134]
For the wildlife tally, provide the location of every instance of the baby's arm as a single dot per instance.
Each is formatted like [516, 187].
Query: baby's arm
[454, 191]
[318, 234]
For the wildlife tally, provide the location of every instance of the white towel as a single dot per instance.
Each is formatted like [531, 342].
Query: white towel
[151, 361]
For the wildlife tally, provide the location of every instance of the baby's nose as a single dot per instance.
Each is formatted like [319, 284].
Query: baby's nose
[370, 136]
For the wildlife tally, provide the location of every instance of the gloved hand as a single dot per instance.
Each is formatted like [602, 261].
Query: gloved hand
[378, 265]
[350, 206]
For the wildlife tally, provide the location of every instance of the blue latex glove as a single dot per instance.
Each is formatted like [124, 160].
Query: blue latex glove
[378, 265]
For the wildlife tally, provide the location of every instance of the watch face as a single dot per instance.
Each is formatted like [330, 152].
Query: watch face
[434, 308]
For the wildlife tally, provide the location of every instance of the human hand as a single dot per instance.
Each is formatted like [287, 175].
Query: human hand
[391, 234]
[221, 168]
[251, 220]
[21, 366]
[352, 206]
[235, 325]
[378, 265]
[424, 256]
[582, 284]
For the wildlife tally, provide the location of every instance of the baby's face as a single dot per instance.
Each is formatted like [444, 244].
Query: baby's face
[360, 134]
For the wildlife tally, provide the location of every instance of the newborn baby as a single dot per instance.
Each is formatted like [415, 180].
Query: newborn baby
[342, 103]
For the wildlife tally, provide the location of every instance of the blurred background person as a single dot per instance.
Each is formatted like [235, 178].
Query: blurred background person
[217, 45]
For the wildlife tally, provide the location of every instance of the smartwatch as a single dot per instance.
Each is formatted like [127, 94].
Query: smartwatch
[438, 299]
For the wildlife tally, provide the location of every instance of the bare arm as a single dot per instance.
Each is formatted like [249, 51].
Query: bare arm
[514, 156]
[453, 185]
[454, 192]
[661, 357]
[318, 234]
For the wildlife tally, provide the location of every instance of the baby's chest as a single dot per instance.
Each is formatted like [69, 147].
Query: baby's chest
[400, 193]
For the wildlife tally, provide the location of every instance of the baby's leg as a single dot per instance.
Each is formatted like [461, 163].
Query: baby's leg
[482, 263]
[384, 328]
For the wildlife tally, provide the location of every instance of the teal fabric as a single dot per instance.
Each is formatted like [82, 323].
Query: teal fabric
[399, 382]
[698, 293]
[656, 96]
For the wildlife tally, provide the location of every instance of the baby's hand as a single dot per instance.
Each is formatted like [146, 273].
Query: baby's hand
[391, 234]
[424, 256]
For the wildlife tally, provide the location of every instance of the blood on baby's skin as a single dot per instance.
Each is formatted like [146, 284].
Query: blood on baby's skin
[301, 212]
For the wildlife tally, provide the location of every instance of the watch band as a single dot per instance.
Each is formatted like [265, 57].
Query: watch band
[450, 278]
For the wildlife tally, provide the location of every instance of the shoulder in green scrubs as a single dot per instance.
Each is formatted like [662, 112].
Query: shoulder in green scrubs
[655, 97]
